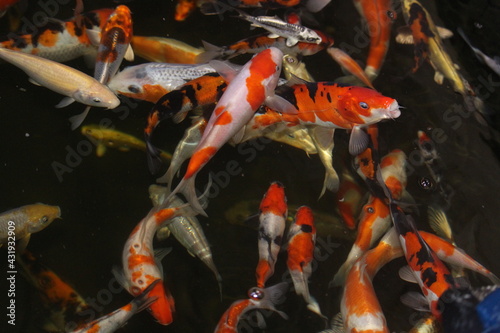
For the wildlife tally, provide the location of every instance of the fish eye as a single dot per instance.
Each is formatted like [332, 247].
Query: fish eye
[370, 210]
[134, 89]
[391, 14]
[96, 100]
[256, 294]
[290, 60]
[311, 39]
[363, 105]
[44, 219]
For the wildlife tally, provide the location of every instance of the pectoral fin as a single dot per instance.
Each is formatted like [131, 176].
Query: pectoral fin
[279, 104]
[224, 69]
[358, 141]
[65, 102]
[129, 54]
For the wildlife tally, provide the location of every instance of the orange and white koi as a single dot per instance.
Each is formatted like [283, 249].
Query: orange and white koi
[141, 265]
[61, 40]
[201, 92]
[273, 214]
[375, 218]
[348, 63]
[360, 308]
[248, 89]
[151, 81]
[330, 105]
[116, 319]
[261, 42]
[159, 49]
[301, 243]
[62, 79]
[116, 36]
[349, 199]
[258, 298]
[379, 16]
[431, 274]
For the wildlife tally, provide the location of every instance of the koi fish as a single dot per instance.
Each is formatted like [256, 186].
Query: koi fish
[61, 41]
[375, 218]
[184, 8]
[360, 308]
[151, 81]
[104, 137]
[142, 266]
[345, 61]
[431, 274]
[273, 214]
[247, 90]
[292, 66]
[258, 298]
[258, 43]
[62, 79]
[116, 319]
[159, 49]
[113, 47]
[379, 16]
[187, 230]
[116, 36]
[429, 45]
[293, 33]
[494, 63]
[349, 200]
[20, 223]
[331, 105]
[67, 309]
[301, 242]
[176, 104]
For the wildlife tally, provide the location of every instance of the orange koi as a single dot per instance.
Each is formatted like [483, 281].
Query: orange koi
[379, 16]
[116, 319]
[273, 214]
[248, 89]
[258, 298]
[301, 242]
[349, 200]
[159, 49]
[141, 265]
[184, 8]
[60, 41]
[68, 310]
[345, 61]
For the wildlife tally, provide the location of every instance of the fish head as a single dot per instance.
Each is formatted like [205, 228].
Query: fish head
[304, 217]
[274, 200]
[98, 95]
[312, 37]
[41, 216]
[162, 309]
[366, 106]
[374, 213]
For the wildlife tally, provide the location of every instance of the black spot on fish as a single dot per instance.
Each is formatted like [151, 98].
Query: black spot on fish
[53, 27]
[429, 276]
[306, 228]
[91, 19]
[288, 94]
[418, 13]
[169, 104]
[329, 97]
[278, 240]
[312, 89]
[199, 86]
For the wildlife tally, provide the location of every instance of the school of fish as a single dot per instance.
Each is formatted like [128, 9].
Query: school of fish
[226, 97]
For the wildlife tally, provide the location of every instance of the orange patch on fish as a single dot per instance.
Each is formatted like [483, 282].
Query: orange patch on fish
[262, 67]
[48, 38]
[394, 185]
[199, 158]
[139, 259]
[164, 214]
[263, 272]
[224, 119]
[300, 251]
[274, 201]
[162, 309]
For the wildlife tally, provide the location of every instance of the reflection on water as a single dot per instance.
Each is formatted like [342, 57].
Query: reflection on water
[102, 199]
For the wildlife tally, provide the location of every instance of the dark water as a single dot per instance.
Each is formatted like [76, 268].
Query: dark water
[102, 199]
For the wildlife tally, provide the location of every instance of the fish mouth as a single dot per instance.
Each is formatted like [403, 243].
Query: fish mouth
[393, 110]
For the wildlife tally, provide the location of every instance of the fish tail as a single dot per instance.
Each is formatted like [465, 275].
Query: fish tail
[212, 52]
[300, 284]
[154, 157]
[143, 301]
[187, 188]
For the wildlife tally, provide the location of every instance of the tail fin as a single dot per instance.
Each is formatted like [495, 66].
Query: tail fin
[212, 52]
[154, 160]
[187, 188]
